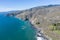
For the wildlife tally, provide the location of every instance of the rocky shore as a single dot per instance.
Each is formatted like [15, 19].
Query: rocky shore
[40, 34]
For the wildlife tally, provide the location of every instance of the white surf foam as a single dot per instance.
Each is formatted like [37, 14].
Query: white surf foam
[39, 38]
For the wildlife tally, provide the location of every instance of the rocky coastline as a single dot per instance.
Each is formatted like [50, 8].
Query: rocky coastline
[40, 33]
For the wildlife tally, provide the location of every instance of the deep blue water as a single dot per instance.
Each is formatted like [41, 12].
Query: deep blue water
[12, 28]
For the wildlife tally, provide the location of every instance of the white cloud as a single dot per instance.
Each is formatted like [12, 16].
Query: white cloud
[6, 9]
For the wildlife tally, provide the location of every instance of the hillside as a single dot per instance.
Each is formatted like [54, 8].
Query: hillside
[42, 17]
[46, 13]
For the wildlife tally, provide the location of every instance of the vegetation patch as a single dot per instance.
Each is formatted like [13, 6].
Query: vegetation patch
[57, 31]
[38, 23]
[55, 28]
[52, 27]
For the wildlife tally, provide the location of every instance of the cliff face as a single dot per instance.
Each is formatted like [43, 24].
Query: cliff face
[41, 14]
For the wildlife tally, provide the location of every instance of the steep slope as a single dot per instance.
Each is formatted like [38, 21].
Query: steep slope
[40, 13]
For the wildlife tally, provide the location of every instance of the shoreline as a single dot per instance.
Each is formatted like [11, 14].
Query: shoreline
[40, 33]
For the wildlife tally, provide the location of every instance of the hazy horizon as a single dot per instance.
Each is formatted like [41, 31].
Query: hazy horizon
[8, 5]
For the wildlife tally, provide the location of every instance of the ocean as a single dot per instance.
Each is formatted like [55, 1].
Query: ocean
[12, 28]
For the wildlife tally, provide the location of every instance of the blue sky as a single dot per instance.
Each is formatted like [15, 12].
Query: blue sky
[8, 5]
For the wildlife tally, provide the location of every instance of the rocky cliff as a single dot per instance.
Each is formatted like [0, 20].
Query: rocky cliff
[41, 14]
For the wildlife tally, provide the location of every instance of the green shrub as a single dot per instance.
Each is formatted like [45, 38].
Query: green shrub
[38, 23]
